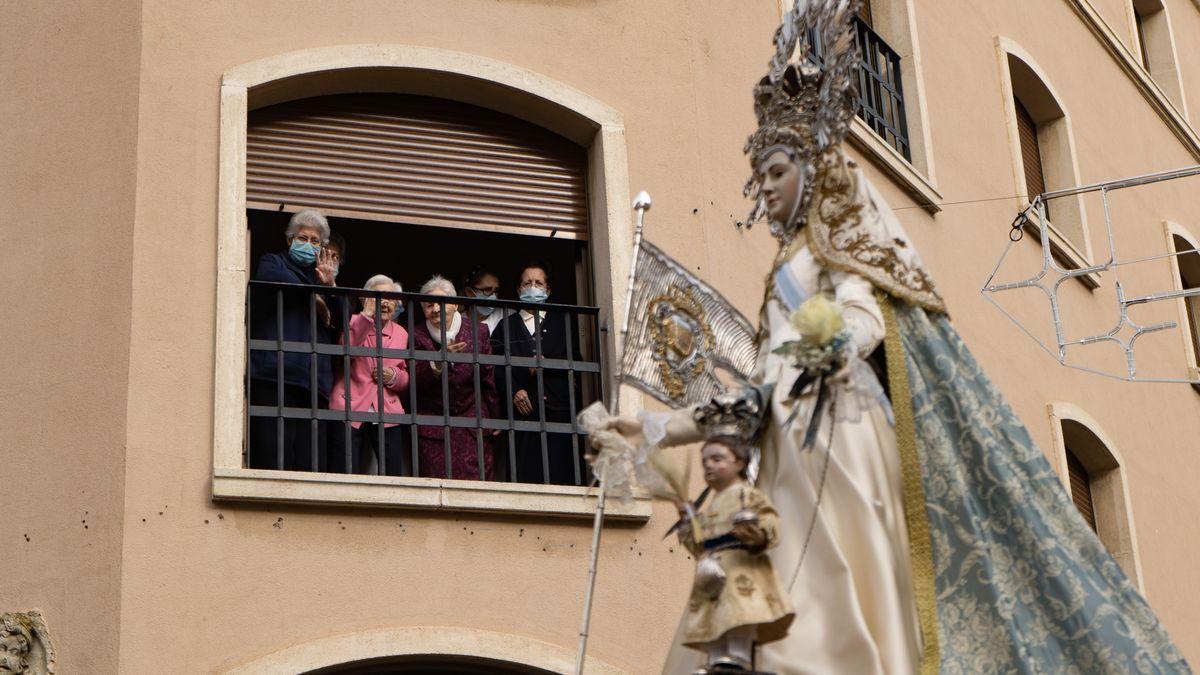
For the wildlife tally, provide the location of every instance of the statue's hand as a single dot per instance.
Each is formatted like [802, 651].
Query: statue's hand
[630, 429]
[753, 536]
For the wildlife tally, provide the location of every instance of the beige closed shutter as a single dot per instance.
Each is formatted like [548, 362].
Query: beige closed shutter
[418, 160]
[1081, 489]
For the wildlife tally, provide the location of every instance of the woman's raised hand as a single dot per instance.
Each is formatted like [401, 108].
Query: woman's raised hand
[324, 267]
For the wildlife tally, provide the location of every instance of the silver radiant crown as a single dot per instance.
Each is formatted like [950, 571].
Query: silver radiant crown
[735, 415]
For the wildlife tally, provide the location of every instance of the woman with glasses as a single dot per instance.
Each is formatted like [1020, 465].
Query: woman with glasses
[369, 382]
[283, 313]
[483, 284]
[522, 334]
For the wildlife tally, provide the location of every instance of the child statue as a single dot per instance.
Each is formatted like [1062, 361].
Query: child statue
[737, 600]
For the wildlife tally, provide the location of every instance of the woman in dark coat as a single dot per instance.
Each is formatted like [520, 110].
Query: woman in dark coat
[466, 445]
[309, 262]
[519, 334]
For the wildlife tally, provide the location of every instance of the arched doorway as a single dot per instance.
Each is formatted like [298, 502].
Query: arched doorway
[430, 665]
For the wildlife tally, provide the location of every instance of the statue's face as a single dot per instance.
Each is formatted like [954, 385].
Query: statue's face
[721, 466]
[782, 185]
[14, 647]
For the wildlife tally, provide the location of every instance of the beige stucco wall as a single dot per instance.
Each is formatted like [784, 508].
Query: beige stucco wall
[206, 587]
[68, 105]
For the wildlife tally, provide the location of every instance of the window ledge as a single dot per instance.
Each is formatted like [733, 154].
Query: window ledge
[893, 163]
[1067, 252]
[298, 487]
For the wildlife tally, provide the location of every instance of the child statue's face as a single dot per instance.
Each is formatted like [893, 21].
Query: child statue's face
[721, 466]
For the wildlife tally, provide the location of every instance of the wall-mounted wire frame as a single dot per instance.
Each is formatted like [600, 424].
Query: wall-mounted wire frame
[1125, 332]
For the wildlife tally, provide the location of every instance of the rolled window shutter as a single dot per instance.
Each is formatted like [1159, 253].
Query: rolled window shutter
[1081, 489]
[418, 160]
[1031, 152]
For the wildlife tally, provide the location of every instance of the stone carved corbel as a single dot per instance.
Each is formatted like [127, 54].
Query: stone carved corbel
[25, 647]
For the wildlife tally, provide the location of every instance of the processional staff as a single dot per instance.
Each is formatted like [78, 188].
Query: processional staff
[641, 204]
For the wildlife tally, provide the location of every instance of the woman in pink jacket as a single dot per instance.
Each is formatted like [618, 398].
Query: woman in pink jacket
[366, 379]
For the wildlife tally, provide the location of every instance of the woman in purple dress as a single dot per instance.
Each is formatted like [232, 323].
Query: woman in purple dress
[466, 445]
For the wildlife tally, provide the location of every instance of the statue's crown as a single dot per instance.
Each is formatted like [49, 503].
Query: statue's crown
[806, 101]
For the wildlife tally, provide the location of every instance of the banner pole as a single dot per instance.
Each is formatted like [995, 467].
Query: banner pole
[641, 204]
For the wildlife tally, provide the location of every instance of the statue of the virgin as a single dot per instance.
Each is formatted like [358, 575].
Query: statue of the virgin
[921, 530]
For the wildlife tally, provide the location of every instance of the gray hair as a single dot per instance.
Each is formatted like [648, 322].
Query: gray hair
[308, 218]
[385, 280]
[439, 283]
[379, 279]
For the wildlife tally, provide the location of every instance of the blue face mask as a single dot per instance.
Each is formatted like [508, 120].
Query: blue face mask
[533, 294]
[303, 252]
[485, 310]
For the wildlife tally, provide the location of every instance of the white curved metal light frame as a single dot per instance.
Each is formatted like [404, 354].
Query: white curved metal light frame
[1054, 274]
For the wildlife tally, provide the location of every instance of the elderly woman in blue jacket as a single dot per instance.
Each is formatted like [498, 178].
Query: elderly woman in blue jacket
[308, 261]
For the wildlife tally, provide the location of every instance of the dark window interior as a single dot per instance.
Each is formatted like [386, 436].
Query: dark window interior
[411, 254]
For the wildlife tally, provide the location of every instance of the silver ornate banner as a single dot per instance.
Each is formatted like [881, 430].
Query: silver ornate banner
[681, 333]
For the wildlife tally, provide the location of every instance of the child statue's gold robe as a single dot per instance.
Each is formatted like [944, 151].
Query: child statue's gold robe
[752, 595]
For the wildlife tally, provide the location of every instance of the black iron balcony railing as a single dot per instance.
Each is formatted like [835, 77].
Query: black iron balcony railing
[880, 91]
[296, 350]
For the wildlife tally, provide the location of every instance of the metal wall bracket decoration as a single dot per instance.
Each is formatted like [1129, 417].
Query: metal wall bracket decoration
[1070, 343]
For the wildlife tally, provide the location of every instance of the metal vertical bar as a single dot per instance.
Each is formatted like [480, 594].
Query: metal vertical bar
[412, 386]
[445, 393]
[379, 437]
[347, 428]
[279, 424]
[571, 395]
[508, 397]
[249, 383]
[478, 393]
[312, 379]
[541, 395]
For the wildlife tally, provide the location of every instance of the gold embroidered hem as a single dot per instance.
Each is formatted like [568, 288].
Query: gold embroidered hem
[919, 545]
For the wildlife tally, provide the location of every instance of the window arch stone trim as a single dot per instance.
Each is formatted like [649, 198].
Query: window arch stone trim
[1118, 531]
[421, 641]
[1172, 229]
[395, 67]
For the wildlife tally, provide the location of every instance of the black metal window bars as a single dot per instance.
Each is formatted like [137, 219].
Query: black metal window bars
[880, 91]
[577, 368]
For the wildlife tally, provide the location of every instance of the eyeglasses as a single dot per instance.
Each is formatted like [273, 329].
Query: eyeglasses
[484, 290]
[534, 283]
[308, 239]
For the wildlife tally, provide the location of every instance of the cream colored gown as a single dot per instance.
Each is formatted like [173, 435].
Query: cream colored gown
[854, 606]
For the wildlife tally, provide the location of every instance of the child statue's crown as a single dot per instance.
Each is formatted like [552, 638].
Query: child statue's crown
[734, 415]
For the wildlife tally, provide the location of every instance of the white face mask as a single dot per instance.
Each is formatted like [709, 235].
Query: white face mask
[484, 311]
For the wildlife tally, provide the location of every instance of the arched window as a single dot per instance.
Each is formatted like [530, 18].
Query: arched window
[1094, 477]
[1185, 267]
[425, 160]
[1043, 149]
[1156, 47]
